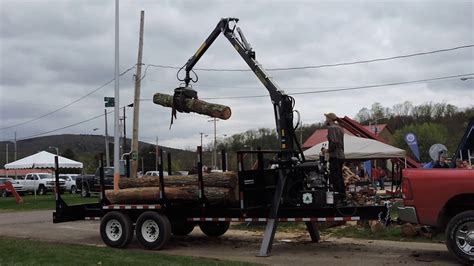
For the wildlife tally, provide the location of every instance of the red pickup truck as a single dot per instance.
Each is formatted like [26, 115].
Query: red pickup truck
[444, 199]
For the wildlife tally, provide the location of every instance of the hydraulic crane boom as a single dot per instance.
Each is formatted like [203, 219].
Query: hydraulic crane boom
[282, 103]
[283, 109]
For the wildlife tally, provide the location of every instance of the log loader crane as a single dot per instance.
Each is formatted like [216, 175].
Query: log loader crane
[291, 161]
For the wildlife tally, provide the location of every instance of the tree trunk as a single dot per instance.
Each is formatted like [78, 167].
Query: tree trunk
[152, 194]
[222, 180]
[196, 106]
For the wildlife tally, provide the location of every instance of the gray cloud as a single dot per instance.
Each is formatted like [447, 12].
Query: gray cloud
[53, 52]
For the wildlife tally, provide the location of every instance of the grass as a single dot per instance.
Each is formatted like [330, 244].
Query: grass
[393, 233]
[29, 252]
[44, 202]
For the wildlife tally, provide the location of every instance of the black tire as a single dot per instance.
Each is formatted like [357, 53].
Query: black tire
[181, 228]
[85, 191]
[214, 229]
[459, 227]
[73, 190]
[153, 230]
[116, 229]
[4, 193]
[42, 190]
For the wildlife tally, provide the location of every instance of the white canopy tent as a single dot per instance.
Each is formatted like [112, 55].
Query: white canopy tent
[43, 159]
[359, 148]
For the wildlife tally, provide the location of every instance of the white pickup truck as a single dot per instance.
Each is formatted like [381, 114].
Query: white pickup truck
[40, 183]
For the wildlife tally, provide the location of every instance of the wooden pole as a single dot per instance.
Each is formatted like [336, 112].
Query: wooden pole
[136, 101]
[107, 155]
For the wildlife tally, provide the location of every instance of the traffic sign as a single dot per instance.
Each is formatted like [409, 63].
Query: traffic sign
[109, 101]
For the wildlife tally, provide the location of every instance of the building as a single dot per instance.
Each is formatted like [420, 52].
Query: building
[320, 135]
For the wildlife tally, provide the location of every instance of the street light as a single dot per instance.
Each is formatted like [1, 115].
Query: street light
[56, 148]
[466, 78]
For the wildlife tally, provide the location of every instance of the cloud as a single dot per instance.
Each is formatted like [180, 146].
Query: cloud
[53, 52]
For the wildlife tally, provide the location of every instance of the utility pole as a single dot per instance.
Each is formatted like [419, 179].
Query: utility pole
[6, 159]
[14, 155]
[214, 154]
[117, 101]
[124, 141]
[107, 155]
[156, 155]
[202, 133]
[136, 101]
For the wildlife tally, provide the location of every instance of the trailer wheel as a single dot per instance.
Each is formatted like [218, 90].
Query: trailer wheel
[181, 228]
[214, 229]
[153, 230]
[42, 190]
[116, 229]
[460, 237]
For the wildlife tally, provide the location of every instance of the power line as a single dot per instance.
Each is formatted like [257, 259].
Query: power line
[345, 89]
[262, 96]
[69, 104]
[324, 65]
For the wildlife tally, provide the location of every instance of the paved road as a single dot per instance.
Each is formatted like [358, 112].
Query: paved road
[289, 248]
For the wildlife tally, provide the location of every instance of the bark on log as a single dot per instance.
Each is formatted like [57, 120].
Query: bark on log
[152, 194]
[224, 180]
[196, 106]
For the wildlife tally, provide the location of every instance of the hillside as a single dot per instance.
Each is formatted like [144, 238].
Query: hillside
[85, 147]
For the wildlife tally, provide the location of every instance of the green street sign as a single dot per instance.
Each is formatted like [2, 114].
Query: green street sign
[109, 101]
[134, 156]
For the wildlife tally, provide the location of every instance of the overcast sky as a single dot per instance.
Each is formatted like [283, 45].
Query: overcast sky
[54, 52]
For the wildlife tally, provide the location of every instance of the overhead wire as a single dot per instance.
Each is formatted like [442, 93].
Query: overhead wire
[261, 96]
[323, 65]
[69, 104]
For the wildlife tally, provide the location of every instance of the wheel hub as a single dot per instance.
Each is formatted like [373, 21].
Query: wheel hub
[470, 238]
[150, 231]
[114, 230]
[465, 238]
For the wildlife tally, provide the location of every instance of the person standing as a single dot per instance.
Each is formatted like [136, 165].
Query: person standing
[336, 154]
[382, 175]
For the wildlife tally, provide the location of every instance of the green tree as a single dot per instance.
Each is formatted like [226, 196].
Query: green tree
[68, 153]
[427, 135]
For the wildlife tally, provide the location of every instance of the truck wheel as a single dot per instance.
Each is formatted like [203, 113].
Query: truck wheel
[85, 192]
[181, 228]
[153, 230]
[73, 190]
[116, 229]
[460, 237]
[214, 229]
[4, 193]
[42, 190]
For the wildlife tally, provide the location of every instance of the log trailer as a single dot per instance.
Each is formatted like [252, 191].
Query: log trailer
[291, 190]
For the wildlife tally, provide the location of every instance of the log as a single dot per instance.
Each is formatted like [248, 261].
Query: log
[196, 106]
[223, 180]
[152, 194]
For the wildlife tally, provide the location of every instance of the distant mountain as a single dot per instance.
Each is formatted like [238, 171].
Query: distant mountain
[85, 147]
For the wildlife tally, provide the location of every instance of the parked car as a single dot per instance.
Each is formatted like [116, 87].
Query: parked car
[6, 192]
[70, 182]
[40, 183]
[155, 173]
[443, 199]
[91, 183]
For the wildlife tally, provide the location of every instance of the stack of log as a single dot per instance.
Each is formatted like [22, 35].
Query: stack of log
[218, 187]
[349, 176]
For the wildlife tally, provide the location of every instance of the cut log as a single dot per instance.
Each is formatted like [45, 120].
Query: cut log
[196, 106]
[223, 179]
[152, 194]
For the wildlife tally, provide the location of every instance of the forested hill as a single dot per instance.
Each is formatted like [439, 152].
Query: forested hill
[431, 122]
[84, 148]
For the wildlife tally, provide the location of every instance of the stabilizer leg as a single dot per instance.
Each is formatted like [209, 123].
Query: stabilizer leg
[313, 231]
[267, 242]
